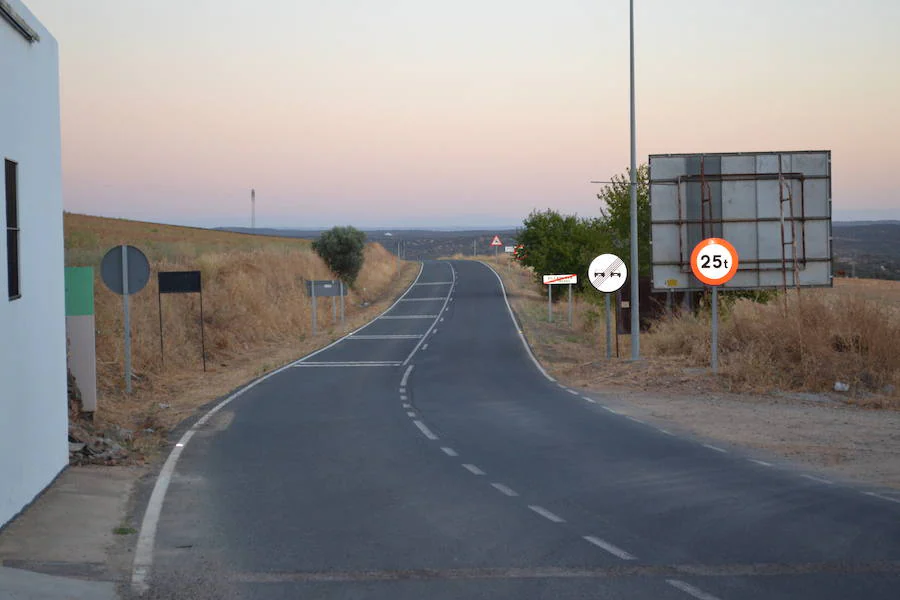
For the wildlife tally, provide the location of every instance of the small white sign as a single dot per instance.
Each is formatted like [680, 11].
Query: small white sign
[607, 273]
[560, 279]
[509, 249]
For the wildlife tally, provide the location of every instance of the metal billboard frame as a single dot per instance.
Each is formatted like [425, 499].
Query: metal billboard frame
[756, 200]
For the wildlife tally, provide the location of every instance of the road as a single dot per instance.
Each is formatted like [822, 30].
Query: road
[428, 456]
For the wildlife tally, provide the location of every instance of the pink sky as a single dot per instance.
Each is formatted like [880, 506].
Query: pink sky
[403, 112]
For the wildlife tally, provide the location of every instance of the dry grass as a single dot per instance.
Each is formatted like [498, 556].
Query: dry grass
[256, 314]
[850, 333]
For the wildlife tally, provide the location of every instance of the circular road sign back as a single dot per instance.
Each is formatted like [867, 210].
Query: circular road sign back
[714, 261]
[138, 270]
[607, 273]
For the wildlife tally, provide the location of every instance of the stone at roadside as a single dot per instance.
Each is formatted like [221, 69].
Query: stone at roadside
[840, 386]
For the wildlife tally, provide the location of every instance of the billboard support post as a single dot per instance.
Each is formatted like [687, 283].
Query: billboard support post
[570, 305]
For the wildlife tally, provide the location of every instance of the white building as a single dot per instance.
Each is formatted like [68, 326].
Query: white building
[33, 407]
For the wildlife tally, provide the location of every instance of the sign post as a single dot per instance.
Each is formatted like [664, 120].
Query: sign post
[125, 270]
[496, 243]
[181, 282]
[550, 281]
[714, 261]
[317, 288]
[608, 273]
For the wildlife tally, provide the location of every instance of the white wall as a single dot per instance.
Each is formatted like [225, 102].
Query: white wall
[33, 408]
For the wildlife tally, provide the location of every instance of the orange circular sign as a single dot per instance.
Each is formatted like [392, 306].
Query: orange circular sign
[714, 261]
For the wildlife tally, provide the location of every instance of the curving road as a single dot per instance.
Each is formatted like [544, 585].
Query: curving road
[428, 456]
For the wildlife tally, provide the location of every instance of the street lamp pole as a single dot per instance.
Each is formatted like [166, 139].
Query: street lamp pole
[635, 278]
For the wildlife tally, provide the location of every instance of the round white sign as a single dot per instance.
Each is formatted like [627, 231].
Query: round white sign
[607, 273]
[714, 261]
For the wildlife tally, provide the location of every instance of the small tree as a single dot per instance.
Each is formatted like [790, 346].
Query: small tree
[342, 250]
[559, 244]
[617, 216]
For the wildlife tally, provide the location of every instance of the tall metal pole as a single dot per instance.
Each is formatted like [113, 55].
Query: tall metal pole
[635, 278]
[253, 209]
[608, 326]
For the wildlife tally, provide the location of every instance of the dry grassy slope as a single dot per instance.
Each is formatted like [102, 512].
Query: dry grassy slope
[256, 312]
[850, 332]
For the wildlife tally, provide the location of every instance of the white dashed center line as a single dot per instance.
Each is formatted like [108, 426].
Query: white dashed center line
[449, 451]
[614, 550]
[425, 431]
[612, 410]
[410, 414]
[591, 400]
[505, 490]
[546, 513]
[473, 469]
[760, 462]
[689, 589]
[424, 346]
[573, 392]
[716, 448]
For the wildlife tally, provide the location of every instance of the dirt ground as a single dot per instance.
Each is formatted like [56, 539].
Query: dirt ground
[846, 435]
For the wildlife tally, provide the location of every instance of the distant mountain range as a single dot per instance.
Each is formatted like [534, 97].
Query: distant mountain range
[869, 249]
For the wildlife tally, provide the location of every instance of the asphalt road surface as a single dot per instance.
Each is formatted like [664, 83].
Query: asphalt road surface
[427, 456]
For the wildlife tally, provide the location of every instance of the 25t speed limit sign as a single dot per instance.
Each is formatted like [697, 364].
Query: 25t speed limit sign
[714, 261]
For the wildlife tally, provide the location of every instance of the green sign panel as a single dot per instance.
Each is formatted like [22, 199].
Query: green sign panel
[79, 291]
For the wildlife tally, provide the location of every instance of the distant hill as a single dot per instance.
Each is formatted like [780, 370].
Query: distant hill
[868, 249]
[416, 244]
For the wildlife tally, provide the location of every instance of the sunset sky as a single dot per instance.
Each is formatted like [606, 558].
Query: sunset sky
[391, 113]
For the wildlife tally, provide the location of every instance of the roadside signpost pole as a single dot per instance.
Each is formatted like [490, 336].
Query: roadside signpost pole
[334, 309]
[202, 332]
[715, 329]
[314, 302]
[608, 326]
[549, 303]
[127, 319]
[570, 305]
[162, 360]
[342, 301]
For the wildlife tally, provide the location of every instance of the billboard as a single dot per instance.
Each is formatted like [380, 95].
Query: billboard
[773, 207]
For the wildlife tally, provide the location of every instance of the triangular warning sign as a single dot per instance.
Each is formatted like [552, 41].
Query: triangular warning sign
[496, 241]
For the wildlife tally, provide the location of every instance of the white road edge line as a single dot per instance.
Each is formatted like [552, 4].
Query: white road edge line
[716, 448]
[760, 462]
[513, 317]
[422, 299]
[691, 590]
[635, 419]
[440, 312]
[817, 479]
[473, 469]
[143, 552]
[614, 550]
[665, 431]
[425, 431]
[882, 496]
[505, 490]
[546, 513]
[448, 451]
[405, 379]
[612, 410]
[573, 392]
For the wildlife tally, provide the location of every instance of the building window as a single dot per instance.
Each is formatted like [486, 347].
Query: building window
[12, 230]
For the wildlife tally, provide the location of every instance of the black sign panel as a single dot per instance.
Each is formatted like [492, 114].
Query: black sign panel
[179, 282]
